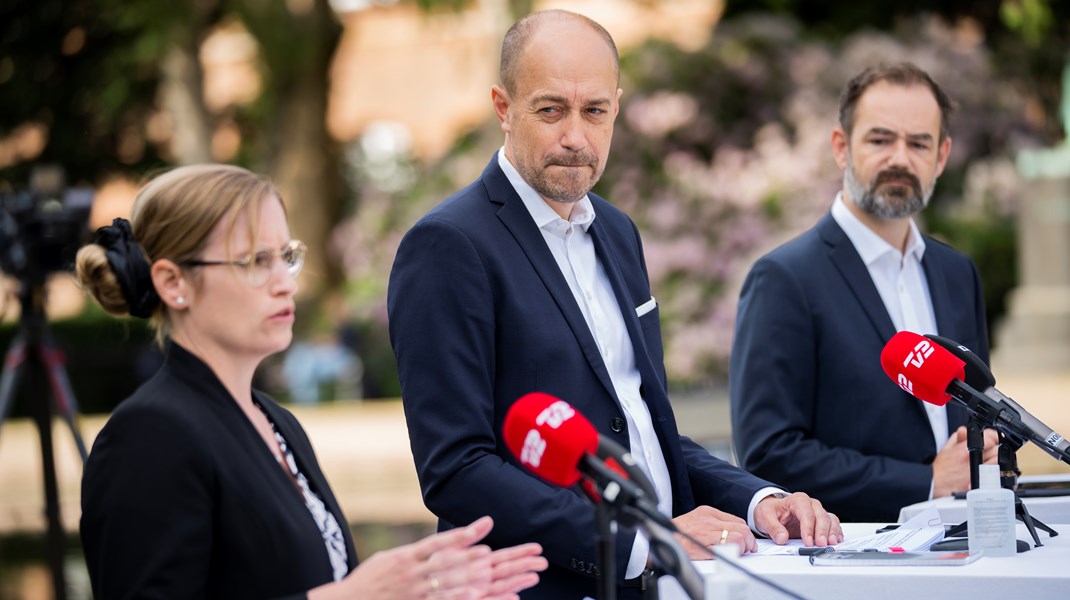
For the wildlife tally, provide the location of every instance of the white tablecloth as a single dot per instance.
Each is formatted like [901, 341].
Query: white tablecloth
[1040, 573]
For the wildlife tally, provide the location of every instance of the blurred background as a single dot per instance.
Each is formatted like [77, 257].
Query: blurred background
[366, 113]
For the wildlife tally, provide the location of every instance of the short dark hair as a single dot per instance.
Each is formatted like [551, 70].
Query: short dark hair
[901, 74]
[518, 36]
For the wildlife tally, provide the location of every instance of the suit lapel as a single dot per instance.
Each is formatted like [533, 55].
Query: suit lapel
[941, 301]
[653, 387]
[624, 301]
[854, 271]
[516, 218]
[938, 292]
[843, 255]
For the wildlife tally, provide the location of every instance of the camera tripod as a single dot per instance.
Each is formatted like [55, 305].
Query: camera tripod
[32, 354]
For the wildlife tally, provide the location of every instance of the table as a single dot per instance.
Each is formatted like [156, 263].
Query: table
[1049, 510]
[1040, 573]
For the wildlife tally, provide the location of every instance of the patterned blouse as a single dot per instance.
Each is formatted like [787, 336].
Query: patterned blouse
[325, 520]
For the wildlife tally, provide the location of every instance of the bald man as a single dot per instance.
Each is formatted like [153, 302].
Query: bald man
[525, 281]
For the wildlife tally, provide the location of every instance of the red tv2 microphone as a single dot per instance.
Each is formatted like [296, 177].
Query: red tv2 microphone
[553, 440]
[549, 437]
[913, 362]
[923, 368]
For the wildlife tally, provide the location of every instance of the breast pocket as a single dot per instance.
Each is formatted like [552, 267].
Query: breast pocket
[650, 324]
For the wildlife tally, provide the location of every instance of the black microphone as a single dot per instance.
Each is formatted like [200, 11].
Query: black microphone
[612, 474]
[979, 377]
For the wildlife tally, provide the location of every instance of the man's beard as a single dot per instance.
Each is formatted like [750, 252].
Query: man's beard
[569, 188]
[894, 201]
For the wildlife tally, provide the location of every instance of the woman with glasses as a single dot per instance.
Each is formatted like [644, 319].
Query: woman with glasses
[200, 486]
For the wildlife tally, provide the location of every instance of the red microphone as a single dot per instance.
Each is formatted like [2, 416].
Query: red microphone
[554, 441]
[549, 437]
[923, 369]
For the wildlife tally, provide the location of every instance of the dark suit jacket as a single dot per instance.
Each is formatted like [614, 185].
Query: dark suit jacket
[811, 406]
[181, 498]
[480, 315]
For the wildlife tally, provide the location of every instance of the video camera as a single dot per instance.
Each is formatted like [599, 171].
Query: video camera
[42, 227]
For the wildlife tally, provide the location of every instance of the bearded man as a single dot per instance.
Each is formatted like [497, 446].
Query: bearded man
[811, 407]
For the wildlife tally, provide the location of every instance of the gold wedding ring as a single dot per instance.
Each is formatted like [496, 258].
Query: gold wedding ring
[724, 536]
[434, 584]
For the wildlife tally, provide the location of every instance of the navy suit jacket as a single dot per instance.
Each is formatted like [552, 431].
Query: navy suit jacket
[811, 406]
[480, 315]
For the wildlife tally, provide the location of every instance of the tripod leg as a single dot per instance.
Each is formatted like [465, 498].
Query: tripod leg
[607, 535]
[1030, 523]
[56, 540]
[1023, 515]
[957, 530]
[14, 364]
[62, 394]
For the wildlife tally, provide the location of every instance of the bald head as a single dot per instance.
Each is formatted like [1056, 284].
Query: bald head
[520, 34]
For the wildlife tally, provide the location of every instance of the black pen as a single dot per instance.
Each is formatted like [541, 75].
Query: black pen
[816, 550]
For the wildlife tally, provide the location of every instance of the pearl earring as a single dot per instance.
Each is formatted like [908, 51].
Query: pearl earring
[180, 300]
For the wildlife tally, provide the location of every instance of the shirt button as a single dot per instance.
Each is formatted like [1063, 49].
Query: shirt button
[616, 424]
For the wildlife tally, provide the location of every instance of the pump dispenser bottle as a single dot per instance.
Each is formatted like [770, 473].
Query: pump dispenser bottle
[990, 516]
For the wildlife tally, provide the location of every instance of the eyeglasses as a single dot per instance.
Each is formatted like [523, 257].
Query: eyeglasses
[256, 268]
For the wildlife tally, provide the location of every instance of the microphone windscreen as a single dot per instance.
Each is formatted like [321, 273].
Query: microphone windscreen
[549, 437]
[921, 367]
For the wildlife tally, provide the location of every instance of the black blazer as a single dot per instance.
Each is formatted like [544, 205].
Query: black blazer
[181, 497]
[480, 315]
[811, 406]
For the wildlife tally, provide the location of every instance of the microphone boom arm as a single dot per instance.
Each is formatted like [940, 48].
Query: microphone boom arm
[1001, 416]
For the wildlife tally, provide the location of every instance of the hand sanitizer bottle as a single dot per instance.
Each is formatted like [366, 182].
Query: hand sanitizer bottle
[990, 516]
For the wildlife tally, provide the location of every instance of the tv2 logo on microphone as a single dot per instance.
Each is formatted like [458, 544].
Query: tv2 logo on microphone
[916, 357]
[534, 447]
[555, 414]
[552, 416]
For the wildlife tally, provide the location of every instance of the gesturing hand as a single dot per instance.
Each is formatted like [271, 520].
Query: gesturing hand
[445, 566]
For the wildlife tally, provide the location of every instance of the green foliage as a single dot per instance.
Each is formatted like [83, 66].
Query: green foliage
[85, 70]
[429, 5]
[1031, 19]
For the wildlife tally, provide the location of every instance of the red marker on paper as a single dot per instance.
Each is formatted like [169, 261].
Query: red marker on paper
[896, 549]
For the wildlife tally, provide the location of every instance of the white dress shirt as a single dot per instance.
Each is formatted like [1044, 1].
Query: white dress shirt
[573, 248]
[901, 283]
